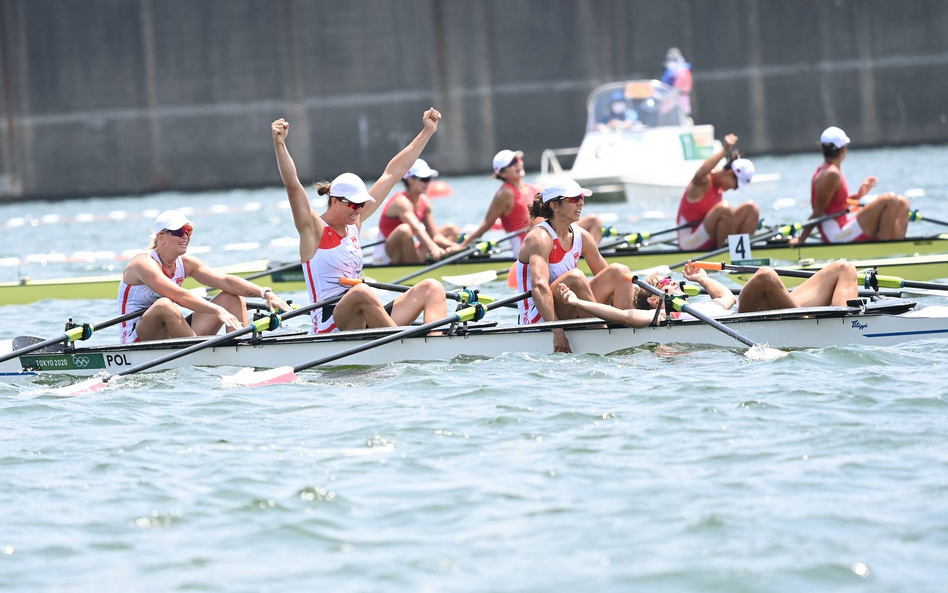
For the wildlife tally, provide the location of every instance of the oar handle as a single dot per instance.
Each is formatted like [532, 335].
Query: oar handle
[640, 237]
[483, 246]
[473, 313]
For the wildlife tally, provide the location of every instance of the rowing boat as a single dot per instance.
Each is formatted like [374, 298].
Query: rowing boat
[98, 287]
[919, 267]
[884, 323]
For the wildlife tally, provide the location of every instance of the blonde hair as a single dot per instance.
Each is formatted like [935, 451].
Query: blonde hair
[640, 300]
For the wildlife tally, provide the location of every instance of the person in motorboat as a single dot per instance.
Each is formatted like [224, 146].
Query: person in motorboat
[154, 279]
[329, 243]
[407, 224]
[620, 116]
[833, 285]
[884, 218]
[703, 204]
[550, 255]
[678, 75]
[511, 204]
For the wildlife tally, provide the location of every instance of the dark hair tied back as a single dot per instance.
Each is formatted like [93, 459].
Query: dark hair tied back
[830, 150]
[322, 187]
[539, 209]
[731, 157]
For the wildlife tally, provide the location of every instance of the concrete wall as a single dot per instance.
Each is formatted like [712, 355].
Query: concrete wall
[119, 96]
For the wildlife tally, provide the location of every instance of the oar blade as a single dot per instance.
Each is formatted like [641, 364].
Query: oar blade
[471, 279]
[82, 388]
[251, 378]
[763, 353]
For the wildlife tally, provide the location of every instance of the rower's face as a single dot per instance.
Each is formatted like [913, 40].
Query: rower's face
[571, 208]
[350, 210]
[514, 170]
[418, 185]
[177, 239]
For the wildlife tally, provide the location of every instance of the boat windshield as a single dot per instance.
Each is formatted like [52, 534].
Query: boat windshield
[622, 106]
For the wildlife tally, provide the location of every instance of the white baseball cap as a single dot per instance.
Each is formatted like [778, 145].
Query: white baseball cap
[563, 188]
[744, 170]
[170, 220]
[420, 169]
[835, 136]
[503, 158]
[351, 187]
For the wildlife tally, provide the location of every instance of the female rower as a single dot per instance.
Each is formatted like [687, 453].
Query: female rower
[154, 279]
[703, 205]
[886, 217]
[550, 254]
[511, 203]
[329, 244]
[406, 216]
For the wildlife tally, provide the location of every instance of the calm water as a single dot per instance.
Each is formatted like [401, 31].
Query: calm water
[664, 469]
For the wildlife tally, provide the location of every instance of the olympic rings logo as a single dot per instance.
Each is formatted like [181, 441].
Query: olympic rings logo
[80, 361]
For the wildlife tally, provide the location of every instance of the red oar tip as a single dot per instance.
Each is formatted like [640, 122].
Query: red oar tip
[88, 386]
[250, 378]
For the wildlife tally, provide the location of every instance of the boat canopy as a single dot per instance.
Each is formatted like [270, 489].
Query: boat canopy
[649, 103]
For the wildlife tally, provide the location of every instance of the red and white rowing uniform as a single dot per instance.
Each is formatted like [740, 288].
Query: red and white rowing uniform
[336, 257]
[696, 238]
[519, 215]
[844, 229]
[561, 261]
[132, 297]
[388, 223]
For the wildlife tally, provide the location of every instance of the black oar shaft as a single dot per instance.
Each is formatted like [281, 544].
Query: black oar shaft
[625, 237]
[406, 333]
[217, 340]
[698, 314]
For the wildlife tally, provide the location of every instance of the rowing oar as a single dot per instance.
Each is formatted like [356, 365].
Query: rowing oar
[756, 351]
[482, 247]
[641, 237]
[287, 374]
[80, 332]
[868, 278]
[268, 323]
[466, 296]
[916, 216]
[787, 230]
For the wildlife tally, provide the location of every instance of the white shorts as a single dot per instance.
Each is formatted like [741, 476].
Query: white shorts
[324, 321]
[694, 239]
[848, 233]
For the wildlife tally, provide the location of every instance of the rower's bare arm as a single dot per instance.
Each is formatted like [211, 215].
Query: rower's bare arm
[307, 222]
[591, 254]
[501, 205]
[719, 293]
[149, 273]
[630, 317]
[234, 285]
[402, 162]
[402, 209]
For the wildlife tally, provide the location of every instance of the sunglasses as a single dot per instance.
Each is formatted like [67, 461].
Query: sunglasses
[664, 282]
[185, 230]
[572, 199]
[517, 160]
[352, 205]
[424, 179]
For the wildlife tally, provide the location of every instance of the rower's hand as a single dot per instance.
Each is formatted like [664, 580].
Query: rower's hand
[867, 185]
[568, 295]
[280, 128]
[430, 119]
[693, 272]
[729, 141]
[274, 302]
[560, 343]
[794, 242]
[228, 319]
[436, 252]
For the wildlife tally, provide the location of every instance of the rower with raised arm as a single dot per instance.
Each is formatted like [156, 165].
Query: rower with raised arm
[329, 243]
[511, 204]
[550, 254]
[884, 218]
[703, 201]
[407, 224]
[154, 279]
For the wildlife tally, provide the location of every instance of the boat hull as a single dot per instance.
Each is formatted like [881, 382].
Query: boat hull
[811, 328]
